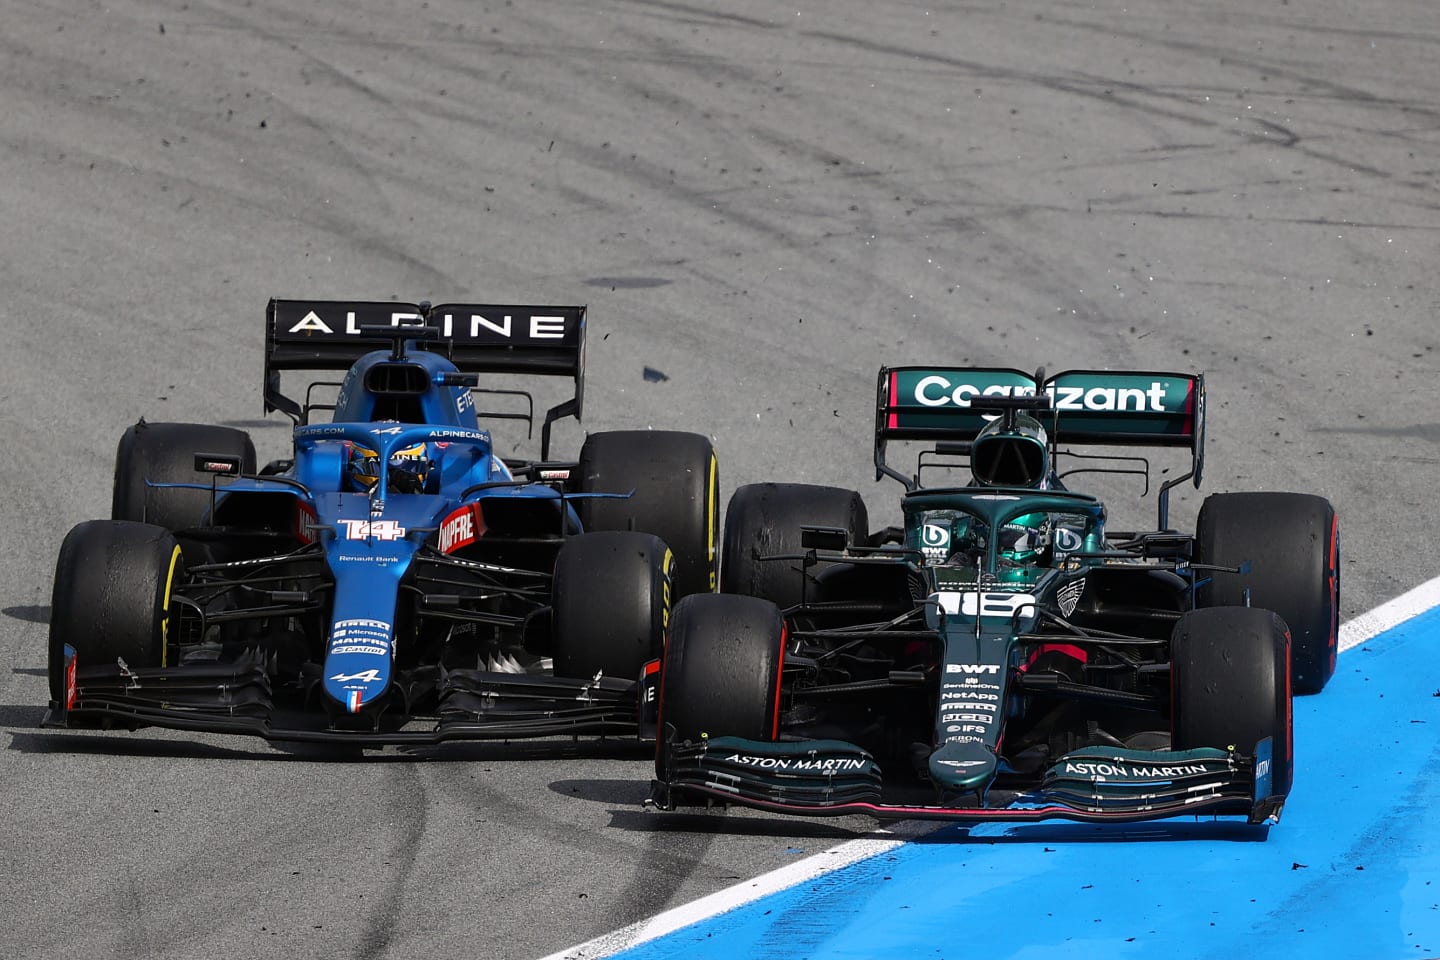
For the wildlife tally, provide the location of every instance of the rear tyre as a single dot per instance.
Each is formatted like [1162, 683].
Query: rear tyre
[1292, 543]
[1230, 685]
[165, 453]
[721, 672]
[611, 603]
[764, 519]
[111, 597]
[676, 480]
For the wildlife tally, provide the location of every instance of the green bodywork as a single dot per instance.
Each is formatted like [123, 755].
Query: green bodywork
[984, 601]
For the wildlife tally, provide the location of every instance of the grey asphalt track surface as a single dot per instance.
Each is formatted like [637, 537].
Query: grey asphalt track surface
[761, 206]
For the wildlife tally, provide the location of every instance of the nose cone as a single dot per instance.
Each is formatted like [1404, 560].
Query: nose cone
[962, 766]
[357, 662]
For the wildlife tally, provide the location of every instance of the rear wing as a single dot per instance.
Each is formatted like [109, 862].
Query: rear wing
[477, 338]
[1101, 407]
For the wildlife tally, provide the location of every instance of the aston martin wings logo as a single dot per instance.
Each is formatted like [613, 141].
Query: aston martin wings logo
[1068, 596]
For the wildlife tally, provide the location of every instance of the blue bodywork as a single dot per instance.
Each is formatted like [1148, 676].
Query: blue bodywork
[371, 536]
[394, 580]
[304, 589]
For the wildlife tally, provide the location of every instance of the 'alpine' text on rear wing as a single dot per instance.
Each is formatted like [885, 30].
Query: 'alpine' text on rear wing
[478, 338]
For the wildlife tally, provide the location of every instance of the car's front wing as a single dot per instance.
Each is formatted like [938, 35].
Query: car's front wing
[1095, 784]
[238, 698]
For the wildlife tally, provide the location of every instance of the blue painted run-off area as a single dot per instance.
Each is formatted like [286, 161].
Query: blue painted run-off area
[1352, 870]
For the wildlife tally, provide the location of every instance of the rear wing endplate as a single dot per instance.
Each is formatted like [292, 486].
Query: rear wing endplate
[478, 338]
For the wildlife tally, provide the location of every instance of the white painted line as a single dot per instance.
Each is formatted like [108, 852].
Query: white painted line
[788, 876]
[1352, 633]
[1390, 614]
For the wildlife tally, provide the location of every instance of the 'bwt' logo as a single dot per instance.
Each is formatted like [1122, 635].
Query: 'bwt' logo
[935, 540]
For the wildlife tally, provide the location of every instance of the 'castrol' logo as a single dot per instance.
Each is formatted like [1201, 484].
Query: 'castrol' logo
[938, 391]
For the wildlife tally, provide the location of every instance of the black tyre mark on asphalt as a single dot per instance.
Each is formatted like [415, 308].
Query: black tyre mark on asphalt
[405, 798]
[697, 14]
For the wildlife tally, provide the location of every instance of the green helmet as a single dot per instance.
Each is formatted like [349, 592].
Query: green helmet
[1023, 539]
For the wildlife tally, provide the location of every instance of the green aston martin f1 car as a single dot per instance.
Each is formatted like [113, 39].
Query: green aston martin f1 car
[1005, 655]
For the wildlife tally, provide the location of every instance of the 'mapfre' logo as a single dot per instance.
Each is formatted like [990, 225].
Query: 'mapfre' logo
[461, 528]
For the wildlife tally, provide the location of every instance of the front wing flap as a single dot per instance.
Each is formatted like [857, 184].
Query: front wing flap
[238, 697]
[812, 775]
[1095, 784]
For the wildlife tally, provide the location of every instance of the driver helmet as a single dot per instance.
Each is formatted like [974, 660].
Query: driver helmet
[1023, 539]
[409, 468]
[1011, 452]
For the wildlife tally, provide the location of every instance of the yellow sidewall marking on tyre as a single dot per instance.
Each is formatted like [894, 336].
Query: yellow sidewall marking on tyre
[668, 566]
[712, 508]
[165, 609]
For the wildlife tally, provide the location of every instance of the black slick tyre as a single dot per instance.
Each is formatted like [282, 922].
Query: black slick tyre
[111, 596]
[720, 676]
[1230, 685]
[764, 519]
[1292, 544]
[611, 603]
[675, 479]
[165, 453]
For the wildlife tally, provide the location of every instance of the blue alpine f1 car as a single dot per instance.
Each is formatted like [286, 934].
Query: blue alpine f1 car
[1006, 654]
[395, 580]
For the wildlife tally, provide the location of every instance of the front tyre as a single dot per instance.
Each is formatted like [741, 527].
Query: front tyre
[111, 597]
[1230, 685]
[611, 603]
[720, 676]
